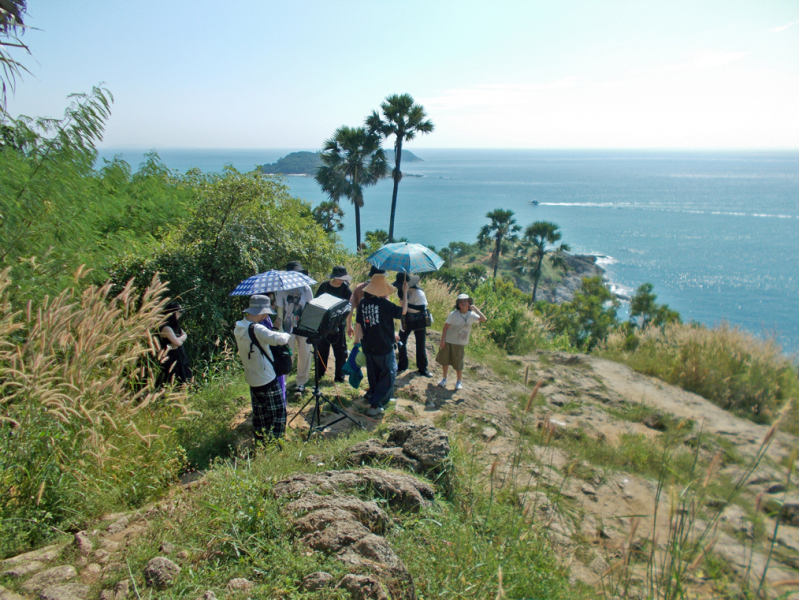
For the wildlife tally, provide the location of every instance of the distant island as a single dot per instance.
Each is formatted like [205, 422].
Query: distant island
[306, 163]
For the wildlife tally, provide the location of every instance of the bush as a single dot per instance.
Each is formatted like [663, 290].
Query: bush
[243, 224]
[82, 428]
[729, 367]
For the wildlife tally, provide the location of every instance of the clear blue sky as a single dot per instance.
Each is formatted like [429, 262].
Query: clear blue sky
[525, 74]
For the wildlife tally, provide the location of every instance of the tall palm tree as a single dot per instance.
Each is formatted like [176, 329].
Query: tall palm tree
[502, 230]
[351, 160]
[11, 26]
[537, 245]
[403, 119]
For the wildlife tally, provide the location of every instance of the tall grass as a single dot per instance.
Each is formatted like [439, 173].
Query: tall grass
[731, 368]
[82, 427]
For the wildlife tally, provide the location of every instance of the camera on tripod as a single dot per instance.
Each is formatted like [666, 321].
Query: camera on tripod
[321, 317]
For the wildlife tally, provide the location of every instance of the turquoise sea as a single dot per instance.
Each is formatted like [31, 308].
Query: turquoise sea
[717, 233]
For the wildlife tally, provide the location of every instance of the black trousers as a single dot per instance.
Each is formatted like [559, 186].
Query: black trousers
[421, 351]
[338, 340]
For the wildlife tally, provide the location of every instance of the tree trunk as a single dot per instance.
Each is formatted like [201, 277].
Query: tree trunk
[496, 256]
[358, 228]
[536, 277]
[397, 176]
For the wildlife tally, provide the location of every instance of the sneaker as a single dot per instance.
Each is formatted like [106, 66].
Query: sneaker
[374, 411]
[459, 385]
[443, 383]
[391, 401]
[340, 379]
[430, 405]
[300, 389]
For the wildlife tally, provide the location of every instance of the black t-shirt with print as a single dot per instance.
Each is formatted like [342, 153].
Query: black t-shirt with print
[376, 317]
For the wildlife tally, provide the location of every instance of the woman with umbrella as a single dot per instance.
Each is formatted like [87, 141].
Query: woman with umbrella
[417, 303]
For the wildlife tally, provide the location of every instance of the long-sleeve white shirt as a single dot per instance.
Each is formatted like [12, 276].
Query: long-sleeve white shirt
[258, 370]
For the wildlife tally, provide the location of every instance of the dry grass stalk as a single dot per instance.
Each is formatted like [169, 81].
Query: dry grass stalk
[533, 394]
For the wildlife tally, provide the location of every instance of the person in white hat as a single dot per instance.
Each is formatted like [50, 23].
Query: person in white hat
[374, 328]
[268, 408]
[455, 336]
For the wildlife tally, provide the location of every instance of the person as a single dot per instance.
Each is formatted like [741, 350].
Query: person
[417, 302]
[268, 408]
[455, 336]
[357, 296]
[337, 285]
[267, 322]
[290, 304]
[175, 363]
[374, 328]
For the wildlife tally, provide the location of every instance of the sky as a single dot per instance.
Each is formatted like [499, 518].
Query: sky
[524, 74]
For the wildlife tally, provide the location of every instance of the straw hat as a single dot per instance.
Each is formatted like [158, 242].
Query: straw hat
[379, 286]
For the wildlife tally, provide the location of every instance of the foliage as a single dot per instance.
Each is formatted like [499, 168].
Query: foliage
[59, 214]
[328, 216]
[643, 305]
[352, 160]
[535, 246]
[511, 325]
[376, 239]
[403, 119]
[726, 365]
[588, 318]
[501, 232]
[468, 278]
[242, 224]
[11, 24]
[82, 427]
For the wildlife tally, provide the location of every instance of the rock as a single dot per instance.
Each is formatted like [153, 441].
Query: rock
[122, 590]
[558, 400]
[367, 513]
[160, 572]
[788, 510]
[317, 581]
[588, 490]
[655, 421]
[239, 583]
[209, 595]
[182, 555]
[24, 569]
[83, 543]
[429, 445]
[118, 526]
[373, 451]
[102, 556]
[534, 502]
[599, 565]
[50, 577]
[363, 587]
[401, 491]
[488, 433]
[43, 555]
[777, 488]
[107, 595]
[91, 574]
[67, 591]
[9, 595]
[111, 569]
[166, 548]
[109, 545]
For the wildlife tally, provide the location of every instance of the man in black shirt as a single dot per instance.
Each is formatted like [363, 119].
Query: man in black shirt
[375, 330]
[337, 285]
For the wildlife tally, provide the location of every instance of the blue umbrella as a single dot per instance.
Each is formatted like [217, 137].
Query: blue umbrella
[406, 258]
[272, 281]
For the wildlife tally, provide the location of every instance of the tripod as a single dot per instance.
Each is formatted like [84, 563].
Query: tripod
[315, 419]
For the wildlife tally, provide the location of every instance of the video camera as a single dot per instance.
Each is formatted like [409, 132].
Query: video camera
[321, 317]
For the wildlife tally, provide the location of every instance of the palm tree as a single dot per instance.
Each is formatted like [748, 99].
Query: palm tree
[329, 215]
[351, 160]
[403, 119]
[502, 229]
[535, 246]
[11, 26]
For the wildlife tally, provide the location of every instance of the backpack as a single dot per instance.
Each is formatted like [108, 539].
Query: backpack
[282, 362]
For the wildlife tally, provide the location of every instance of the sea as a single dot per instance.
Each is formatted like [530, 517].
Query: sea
[716, 233]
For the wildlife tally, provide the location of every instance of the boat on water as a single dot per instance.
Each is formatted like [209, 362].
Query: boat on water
[533, 202]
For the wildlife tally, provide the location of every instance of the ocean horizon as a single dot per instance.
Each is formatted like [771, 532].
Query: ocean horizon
[716, 232]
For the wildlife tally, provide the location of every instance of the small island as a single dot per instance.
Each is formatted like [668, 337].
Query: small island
[306, 163]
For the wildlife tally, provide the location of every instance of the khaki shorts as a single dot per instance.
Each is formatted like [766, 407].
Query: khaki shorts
[452, 355]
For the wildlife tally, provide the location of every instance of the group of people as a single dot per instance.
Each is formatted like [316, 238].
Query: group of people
[373, 333]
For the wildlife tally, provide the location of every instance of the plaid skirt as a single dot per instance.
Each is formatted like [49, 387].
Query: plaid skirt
[268, 411]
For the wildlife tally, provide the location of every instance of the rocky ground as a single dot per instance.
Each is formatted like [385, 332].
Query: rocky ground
[597, 515]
